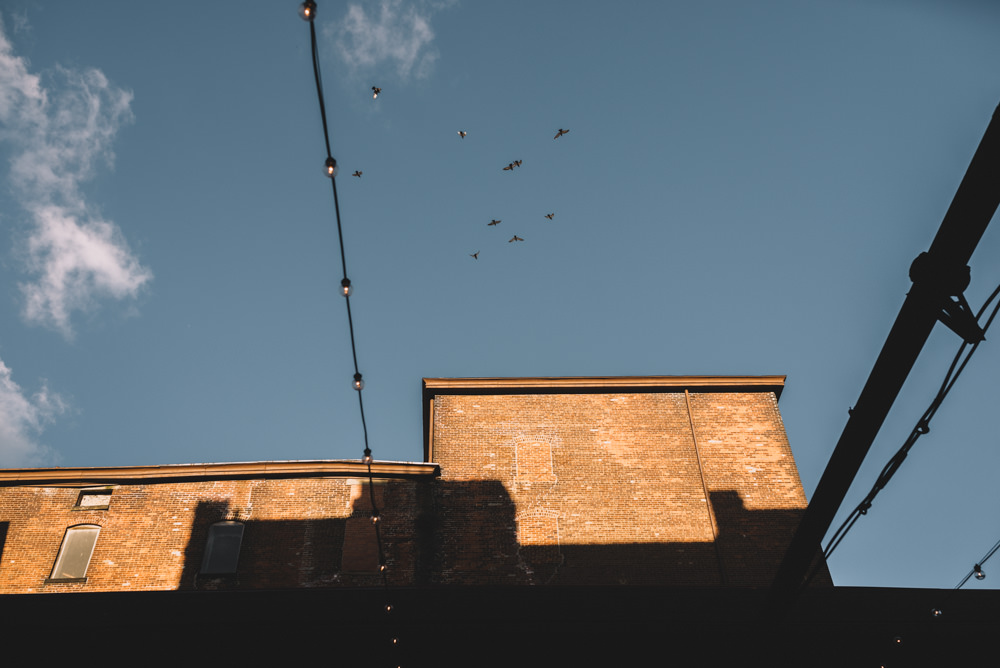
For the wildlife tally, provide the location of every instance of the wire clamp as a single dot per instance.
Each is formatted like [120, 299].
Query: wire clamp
[945, 287]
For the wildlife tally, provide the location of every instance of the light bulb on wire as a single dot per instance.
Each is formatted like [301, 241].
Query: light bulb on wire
[307, 10]
[367, 459]
[358, 383]
[331, 167]
[978, 570]
[345, 287]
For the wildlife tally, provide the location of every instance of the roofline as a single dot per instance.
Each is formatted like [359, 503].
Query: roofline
[216, 471]
[538, 385]
[588, 385]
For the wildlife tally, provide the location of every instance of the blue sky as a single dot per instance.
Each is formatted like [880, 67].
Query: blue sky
[742, 190]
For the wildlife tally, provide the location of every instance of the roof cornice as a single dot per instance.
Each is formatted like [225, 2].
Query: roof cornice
[601, 383]
[227, 471]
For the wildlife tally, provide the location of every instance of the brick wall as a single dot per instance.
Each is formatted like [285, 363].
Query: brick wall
[300, 532]
[611, 488]
[653, 487]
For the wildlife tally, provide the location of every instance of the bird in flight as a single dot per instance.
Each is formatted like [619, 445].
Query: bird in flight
[560, 133]
[516, 163]
[509, 167]
[550, 216]
[357, 174]
[493, 222]
[462, 133]
[515, 238]
[474, 255]
[376, 90]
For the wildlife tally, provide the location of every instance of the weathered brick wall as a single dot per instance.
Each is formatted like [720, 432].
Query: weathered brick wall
[751, 475]
[637, 488]
[300, 532]
[610, 488]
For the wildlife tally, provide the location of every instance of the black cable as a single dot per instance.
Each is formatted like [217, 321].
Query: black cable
[922, 427]
[340, 229]
[331, 165]
[979, 564]
[319, 85]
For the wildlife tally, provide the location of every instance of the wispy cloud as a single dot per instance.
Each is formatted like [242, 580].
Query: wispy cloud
[22, 420]
[60, 133]
[393, 32]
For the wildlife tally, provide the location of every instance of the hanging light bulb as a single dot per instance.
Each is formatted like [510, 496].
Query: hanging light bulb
[375, 520]
[382, 567]
[367, 459]
[307, 10]
[936, 612]
[388, 607]
[345, 287]
[358, 383]
[978, 570]
[331, 167]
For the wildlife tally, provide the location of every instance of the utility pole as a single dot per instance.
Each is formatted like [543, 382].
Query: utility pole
[939, 277]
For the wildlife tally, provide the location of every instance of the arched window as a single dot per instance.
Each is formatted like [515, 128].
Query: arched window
[222, 550]
[74, 555]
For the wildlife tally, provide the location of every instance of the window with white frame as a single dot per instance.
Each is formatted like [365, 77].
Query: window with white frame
[75, 552]
[222, 550]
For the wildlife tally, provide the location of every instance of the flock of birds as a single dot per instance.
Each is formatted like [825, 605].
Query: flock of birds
[509, 168]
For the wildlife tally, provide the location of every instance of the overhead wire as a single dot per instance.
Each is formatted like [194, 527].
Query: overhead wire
[978, 568]
[308, 12]
[922, 427]
[336, 206]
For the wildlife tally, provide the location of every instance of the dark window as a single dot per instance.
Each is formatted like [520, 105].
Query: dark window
[222, 551]
[74, 555]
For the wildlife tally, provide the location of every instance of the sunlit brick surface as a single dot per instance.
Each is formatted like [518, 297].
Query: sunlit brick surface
[587, 488]
[656, 487]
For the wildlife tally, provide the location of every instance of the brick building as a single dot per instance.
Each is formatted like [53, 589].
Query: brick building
[582, 481]
[647, 481]
[652, 512]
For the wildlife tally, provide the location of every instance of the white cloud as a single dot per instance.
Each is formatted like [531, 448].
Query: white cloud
[75, 261]
[22, 420]
[60, 133]
[392, 33]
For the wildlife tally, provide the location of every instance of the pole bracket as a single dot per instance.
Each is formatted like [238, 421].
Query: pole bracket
[944, 287]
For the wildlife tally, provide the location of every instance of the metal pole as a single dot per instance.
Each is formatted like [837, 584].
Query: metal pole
[935, 274]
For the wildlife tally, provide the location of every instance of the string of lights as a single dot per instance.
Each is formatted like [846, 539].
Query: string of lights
[922, 427]
[307, 10]
[977, 570]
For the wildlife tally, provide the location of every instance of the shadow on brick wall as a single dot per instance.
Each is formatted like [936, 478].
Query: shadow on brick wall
[274, 554]
[4, 526]
[466, 533]
[475, 536]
